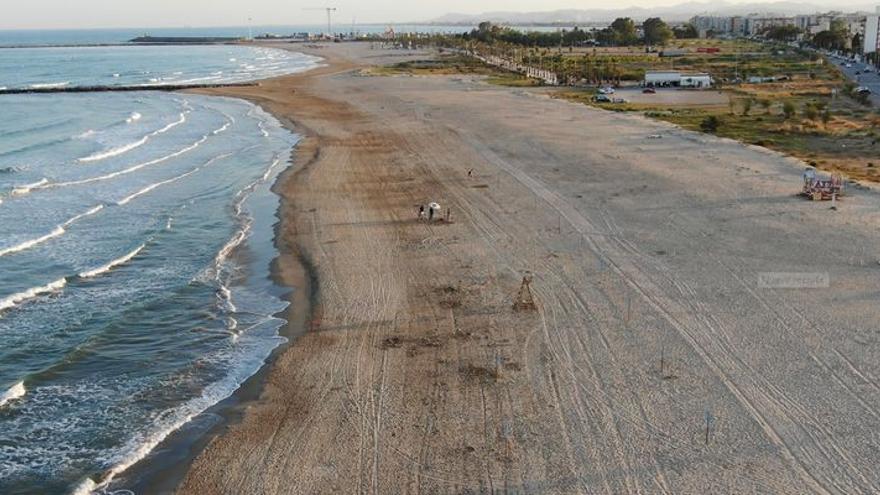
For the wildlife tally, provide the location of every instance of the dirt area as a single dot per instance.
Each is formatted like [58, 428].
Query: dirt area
[646, 254]
[675, 97]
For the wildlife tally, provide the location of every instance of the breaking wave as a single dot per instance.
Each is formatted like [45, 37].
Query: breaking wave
[34, 292]
[22, 190]
[119, 150]
[155, 185]
[59, 231]
[50, 85]
[131, 169]
[16, 391]
[113, 264]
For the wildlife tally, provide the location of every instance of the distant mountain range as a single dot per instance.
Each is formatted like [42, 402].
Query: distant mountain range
[679, 12]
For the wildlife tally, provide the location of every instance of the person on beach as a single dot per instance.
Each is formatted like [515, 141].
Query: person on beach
[430, 214]
[421, 212]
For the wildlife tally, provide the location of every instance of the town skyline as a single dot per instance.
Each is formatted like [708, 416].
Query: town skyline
[91, 14]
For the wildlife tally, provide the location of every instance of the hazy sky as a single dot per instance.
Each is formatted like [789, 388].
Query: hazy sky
[22, 14]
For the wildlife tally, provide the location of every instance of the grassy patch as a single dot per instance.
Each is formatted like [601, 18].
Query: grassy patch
[454, 65]
[849, 141]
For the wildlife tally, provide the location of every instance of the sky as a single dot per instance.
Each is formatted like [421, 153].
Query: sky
[59, 14]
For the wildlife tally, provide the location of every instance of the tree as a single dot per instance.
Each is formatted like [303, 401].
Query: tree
[835, 38]
[782, 33]
[656, 31]
[788, 110]
[624, 30]
[687, 31]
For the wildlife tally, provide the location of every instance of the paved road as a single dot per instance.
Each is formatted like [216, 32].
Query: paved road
[869, 79]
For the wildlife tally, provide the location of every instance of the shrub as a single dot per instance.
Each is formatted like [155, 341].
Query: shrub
[710, 124]
[788, 110]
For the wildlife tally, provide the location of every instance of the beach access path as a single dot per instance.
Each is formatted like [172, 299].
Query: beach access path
[664, 356]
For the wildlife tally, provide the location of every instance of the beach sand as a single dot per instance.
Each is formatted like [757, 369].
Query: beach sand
[655, 361]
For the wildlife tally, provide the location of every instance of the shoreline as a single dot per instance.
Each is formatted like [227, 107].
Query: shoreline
[165, 467]
[421, 376]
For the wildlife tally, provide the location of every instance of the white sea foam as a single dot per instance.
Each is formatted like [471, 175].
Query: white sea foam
[50, 85]
[134, 117]
[91, 211]
[197, 80]
[22, 190]
[127, 199]
[269, 170]
[145, 190]
[103, 155]
[180, 120]
[222, 129]
[113, 264]
[16, 391]
[85, 487]
[128, 170]
[24, 296]
[59, 231]
[119, 150]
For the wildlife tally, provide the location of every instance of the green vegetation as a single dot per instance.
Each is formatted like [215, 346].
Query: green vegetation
[835, 134]
[656, 31]
[801, 106]
[710, 124]
[454, 65]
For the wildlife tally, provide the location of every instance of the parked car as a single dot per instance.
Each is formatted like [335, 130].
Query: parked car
[858, 73]
[868, 68]
[602, 98]
[618, 100]
[848, 66]
[649, 91]
[606, 90]
[862, 90]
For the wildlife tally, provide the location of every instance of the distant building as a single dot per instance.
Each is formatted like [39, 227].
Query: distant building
[718, 25]
[872, 33]
[757, 25]
[671, 78]
[662, 78]
[815, 23]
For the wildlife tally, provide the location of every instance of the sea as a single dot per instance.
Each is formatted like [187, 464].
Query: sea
[136, 238]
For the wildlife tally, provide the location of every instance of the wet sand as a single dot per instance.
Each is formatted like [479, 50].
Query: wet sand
[415, 374]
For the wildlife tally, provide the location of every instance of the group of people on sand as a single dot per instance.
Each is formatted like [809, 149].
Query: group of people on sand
[426, 213]
[430, 211]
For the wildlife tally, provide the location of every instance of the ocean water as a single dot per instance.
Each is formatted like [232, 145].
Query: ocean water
[135, 243]
[59, 67]
[34, 37]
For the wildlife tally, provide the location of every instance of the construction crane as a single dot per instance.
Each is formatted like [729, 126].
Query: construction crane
[330, 11]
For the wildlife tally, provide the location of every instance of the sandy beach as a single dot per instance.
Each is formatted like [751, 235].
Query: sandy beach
[669, 352]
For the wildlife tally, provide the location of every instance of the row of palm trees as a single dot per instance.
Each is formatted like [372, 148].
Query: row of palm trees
[569, 69]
